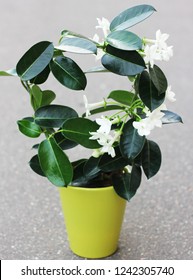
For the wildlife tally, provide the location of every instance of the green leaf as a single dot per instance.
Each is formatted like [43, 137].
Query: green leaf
[92, 179]
[77, 162]
[69, 33]
[79, 179]
[131, 143]
[149, 93]
[77, 45]
[29, 128]
[47, 97]
[151, 158]
[121, 183]
[78, 130]
[35, 146]
[63, 142]
[97, 69]
[54, 115]
[131, 17]
[126, 184]
[122, 96]
[35, 60]
[125, 63]
[91, 168]
[11, 72]
[41, 77]
[158, 78]
[170, 117]
[109, 164]
[54, 163]
[68, 73]
[41, 98]
[34, 163]
[36, 97]
[124, 40]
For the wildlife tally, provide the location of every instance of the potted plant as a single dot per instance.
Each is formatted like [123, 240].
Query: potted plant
[116, 129]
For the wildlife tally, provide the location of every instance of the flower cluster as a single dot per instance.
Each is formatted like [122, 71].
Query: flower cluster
[153, 49]
[157, 49]
[103, 24]
[152, 120]
[104, 138]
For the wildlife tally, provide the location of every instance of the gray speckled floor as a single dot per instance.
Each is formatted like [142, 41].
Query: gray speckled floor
[159, 220]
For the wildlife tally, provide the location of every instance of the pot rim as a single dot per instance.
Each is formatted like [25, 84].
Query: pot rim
[89, 189]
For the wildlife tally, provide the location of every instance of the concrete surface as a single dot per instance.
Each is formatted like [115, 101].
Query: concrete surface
[159, 220]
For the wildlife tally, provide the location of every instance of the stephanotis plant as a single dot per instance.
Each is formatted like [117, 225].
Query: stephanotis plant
[118, 138]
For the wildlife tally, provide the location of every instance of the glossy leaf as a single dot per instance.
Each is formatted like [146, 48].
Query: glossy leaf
[54, 115]
[131, 143]
[77, 45]
[63, 142]
[124, 40]
[41, 77]
[29, 128]
[158, 78]
[35, 146]
[34, 163]
[109, 164]
[78, 130]
[68, 33]
[122, 96]
[149, 93]
[97, 69]
[11, 72]
[131, 17]
[77, 162]
[170, 117]
[68, 73]
[125, 63]
[151, 158]
[54, 163]
[47, 97]
[127, 184]
[91, 168]
[41, 98]
[35, 60]
[79, 179]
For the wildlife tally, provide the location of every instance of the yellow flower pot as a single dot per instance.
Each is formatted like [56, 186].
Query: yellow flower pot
[93, 218]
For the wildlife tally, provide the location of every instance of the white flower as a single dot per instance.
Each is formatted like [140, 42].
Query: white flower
[101, 137]
[152, 120]
[104, 24]
[106, 141]
[86, 104]
[105, 125]
[108, 148]
[170, 95]
[155, 117]
[151, 54]
[161, 40]
[142, 127]
[91, 106]
[167, 53]
[157, 49]
[104, 138]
